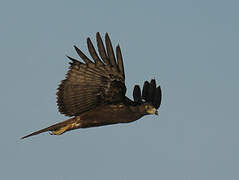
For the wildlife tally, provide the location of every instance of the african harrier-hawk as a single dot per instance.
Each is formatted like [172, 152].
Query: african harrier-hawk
[93, 92]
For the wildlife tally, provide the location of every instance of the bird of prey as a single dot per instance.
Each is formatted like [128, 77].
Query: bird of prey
[93, 92]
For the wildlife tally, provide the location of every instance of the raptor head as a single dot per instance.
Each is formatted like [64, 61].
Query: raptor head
[150, 109]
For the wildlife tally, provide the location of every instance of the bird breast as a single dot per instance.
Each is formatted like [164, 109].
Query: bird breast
[108, 114]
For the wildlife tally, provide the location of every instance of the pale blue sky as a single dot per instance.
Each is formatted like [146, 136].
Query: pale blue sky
[190, 47]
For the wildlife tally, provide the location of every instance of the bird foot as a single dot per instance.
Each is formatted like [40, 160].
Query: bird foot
[61, 130]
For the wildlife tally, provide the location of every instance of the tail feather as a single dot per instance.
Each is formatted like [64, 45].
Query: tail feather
[50, 128]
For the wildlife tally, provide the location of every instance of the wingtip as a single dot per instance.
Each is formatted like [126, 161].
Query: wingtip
[72, 59]
[88, 42]
[98, 36]
[153, 81]
[75, 47]
[118, 46]
[107, 35]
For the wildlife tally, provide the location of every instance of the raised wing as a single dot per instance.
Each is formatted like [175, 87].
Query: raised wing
[150, 94]
[92, 83]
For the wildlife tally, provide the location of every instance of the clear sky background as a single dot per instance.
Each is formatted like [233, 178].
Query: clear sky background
[190, 47]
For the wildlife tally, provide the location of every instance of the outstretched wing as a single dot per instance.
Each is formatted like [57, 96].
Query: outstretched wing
[92, 83]
[150, 94]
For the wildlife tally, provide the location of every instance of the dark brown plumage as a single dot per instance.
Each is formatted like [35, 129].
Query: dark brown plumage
[94, 92]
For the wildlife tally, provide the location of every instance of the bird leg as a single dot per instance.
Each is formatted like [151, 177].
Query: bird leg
[66, 127]
[61, 130]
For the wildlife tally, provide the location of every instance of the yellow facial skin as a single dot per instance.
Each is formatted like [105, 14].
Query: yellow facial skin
[150, 109]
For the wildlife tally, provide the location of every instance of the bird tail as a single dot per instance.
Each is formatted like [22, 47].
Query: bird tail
[55, 129]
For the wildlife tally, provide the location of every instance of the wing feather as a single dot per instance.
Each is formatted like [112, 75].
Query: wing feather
[120, 59]
[150, 94]
[152, 88]
[145, 93]
[110, 51]
[101, 49]
[92, 83]
[137, 94]
[157, 97]
[93, 52]
[82, 55]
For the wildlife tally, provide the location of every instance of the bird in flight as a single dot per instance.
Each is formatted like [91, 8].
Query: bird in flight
[93, 92]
